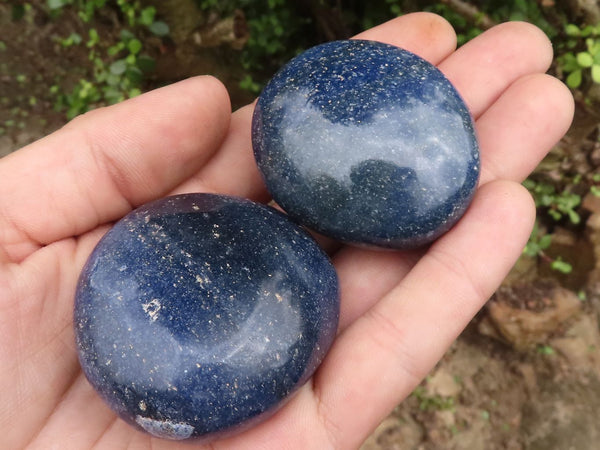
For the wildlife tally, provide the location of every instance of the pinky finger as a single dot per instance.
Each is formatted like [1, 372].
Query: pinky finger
[378, 360]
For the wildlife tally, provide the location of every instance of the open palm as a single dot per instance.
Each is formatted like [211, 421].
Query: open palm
[400, 310]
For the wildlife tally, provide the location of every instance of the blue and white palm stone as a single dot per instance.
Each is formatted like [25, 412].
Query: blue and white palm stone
[197, 316]
[366, 143]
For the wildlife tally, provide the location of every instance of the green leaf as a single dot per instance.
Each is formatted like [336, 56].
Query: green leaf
[147, 16]
[593, 46]
[529, 184]
[73, 39]
[561, 266]
[134, 75]
[18, 12]
[545, 241]
[574, 217]
[94, 37]
[531, 249]
[585, 59]
[113, 80]
[554, 214]
[596, 73]
[114, 49]
[594, 49]
[159, 28]
[126, 35]
[250, 85]
[55, 4]
[574, 79]
[595, 190]
[546, 350]
[118, 67]
[568, 62]
[73, 111]
[134, 46]
[572, 30]
[112, 95]
[146, 63]
[586, 31]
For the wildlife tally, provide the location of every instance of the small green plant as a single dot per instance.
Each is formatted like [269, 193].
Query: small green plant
[561, 266]
[118, 68]
[538, 242]
[581, 59]
[546, 350]
[537, 245]
[82, 97]
[556, 204]
[85, 8]
[595, 188]
[72, 39]
[21, 11]
[429, 402]
[278, 31]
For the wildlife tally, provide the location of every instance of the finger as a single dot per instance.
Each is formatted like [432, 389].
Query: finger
[233, 170]
[37, 366]
[392, 347]
[366, 276]
[484, 67]
[100, 165]
[517, 131]
[428, 35]
[81, 413]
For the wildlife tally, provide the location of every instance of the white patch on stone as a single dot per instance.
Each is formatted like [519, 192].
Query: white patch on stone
[165, 429]
[415, 136]
[152, 308]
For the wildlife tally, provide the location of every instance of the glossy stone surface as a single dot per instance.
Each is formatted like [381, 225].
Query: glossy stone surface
[366, 143]
[198, 315]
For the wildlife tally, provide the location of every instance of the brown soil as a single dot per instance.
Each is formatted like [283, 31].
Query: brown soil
[29, 64]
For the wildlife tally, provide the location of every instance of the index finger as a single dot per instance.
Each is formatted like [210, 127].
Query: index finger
[102, 164]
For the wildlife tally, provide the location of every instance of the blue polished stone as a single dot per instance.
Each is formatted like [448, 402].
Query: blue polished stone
[198, 315]
[366, 143]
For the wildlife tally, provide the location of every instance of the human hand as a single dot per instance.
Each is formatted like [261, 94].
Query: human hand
[400, 310]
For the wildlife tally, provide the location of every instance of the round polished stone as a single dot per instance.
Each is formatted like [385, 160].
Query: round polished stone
[366, 143]
[198, 315]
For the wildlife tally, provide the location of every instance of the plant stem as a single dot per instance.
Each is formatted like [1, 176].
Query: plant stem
[471, 13]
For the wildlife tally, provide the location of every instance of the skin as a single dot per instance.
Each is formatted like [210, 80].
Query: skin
[400, 310]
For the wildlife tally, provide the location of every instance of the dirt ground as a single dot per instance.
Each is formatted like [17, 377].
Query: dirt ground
[526, 372]
[29, 63]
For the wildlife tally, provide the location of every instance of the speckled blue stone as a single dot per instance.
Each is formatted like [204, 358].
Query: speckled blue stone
[198, 315]
[366, 143]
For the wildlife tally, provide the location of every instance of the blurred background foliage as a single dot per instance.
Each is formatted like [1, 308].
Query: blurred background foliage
[264, 34]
